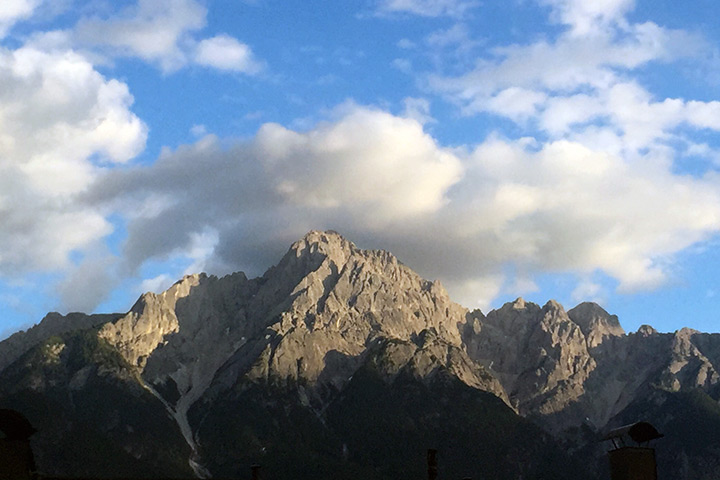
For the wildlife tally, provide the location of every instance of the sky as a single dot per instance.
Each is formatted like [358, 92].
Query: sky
[549, 149]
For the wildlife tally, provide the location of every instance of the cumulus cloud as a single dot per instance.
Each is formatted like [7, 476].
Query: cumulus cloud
[157, 284]
[418, 109]
[577, 64]
[152, 30]
[588, 96]
[165, 33]
[457, 35]
[61, 123]
[592, 187]
[226, 53]
[368, 167]
[458, 214]
[569, 208]
[12, 11]
[84, 286]
[587, 17]
[588, 291]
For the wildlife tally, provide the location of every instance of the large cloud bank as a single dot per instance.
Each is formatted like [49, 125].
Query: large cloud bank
[458, 214]
[593, 186]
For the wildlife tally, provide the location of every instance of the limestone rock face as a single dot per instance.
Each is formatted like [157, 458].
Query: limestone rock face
[556, 366]
[324, 295]
[569, 368]
[430, 355]
[539, 355]
[694, 360]
[184, 334]
[310, 320]
[329, 310]
[596, 324]
[327, 302]
[351, 298]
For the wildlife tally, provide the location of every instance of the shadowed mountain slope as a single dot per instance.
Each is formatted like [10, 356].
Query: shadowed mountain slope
[339, 362]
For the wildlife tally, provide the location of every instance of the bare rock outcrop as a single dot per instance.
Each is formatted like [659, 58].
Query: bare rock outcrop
[539, 354]
[337, 302]
[329, 308]
[596, 324]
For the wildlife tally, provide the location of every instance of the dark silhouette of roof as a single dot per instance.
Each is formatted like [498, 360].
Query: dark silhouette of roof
[640, 432]
[14, 425]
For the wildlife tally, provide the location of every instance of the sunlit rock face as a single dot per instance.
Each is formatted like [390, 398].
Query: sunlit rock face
[325, 299]
[539, 355]
[310, 322]
[564, 369]
[219, 355]
[596, 324]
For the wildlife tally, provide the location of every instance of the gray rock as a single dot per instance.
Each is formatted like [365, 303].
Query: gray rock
[329, 308]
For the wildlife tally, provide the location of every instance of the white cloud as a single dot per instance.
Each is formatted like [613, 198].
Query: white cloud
[226, 53]
[164, 32]
[478, 292]
[12, 11]
[200, 250]
[427, 8]
[368, 167]
[516, 103]
[61, 122]
[379, 166]
[402, 64]
[577, 64]
[461, 215]
[156, 31]
[568, 208]
[587, 17]
[457, 35]
[406, 44]
[588, 96]
[596, 191]
[562, 113]
[198, 130]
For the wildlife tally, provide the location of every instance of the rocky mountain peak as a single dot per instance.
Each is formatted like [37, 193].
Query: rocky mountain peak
[329, 313]
[326, 244]
[517, 308]
[539, 354]
[553, 305]
[646, 330]
[595, 323]
[324, 239]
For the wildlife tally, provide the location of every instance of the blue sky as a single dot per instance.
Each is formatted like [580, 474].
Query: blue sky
[539, 148]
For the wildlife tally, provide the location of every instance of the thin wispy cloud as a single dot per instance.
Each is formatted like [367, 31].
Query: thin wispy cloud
[428, 8]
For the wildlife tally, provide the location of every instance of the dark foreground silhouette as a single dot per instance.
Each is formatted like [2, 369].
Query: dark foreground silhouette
[627, 461]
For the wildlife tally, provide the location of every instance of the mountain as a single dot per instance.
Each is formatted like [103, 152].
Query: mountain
[342, 362]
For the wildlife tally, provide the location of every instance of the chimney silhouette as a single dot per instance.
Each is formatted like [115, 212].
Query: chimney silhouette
[633, 462]
[432, 464]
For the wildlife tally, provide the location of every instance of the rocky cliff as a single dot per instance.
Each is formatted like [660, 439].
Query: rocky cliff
[274, 367]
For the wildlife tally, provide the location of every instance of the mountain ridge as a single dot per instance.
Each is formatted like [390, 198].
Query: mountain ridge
[328, 310]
